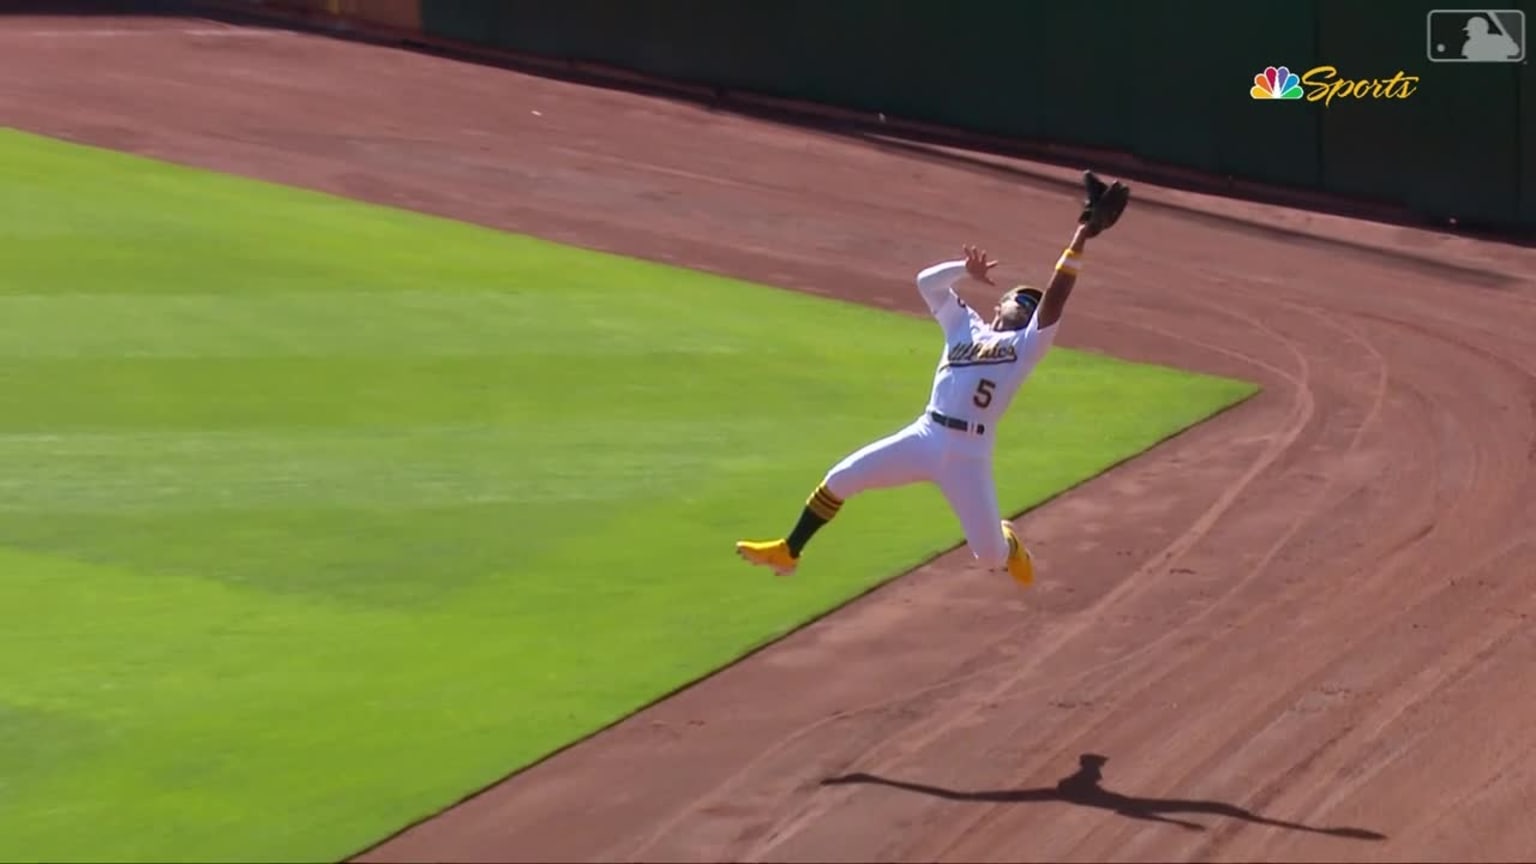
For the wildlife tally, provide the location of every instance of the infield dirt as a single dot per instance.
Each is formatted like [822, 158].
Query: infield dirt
[1311, 613]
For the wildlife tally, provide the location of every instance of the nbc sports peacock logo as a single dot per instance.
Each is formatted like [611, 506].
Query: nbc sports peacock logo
[1324, 84]
[1276, 82]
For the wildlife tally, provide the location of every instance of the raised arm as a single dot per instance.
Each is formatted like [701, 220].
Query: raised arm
[1059, 289]
[1102, 208]
[937, 283]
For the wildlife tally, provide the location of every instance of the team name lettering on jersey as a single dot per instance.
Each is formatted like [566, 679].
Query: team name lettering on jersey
[982, 353]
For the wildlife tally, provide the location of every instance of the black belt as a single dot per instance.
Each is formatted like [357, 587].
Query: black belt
[953, 423]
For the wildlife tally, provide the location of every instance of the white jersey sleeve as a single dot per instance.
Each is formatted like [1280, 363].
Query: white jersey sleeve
[936, 284]
[1034, 342]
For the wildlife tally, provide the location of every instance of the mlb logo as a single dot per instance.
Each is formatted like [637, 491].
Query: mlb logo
[1476, 36]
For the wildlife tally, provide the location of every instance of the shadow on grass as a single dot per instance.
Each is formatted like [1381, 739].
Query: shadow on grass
[1084, 788]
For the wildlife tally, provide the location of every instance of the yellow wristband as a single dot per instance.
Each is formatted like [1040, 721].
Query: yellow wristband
[1068, 262]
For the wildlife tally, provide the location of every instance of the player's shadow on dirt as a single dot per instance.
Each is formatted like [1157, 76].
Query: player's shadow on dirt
[1084, 788]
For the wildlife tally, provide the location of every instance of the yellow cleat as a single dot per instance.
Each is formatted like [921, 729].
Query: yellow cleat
[1020, 566]
[768, 553]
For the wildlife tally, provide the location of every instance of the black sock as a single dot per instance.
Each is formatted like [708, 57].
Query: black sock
[819, 510]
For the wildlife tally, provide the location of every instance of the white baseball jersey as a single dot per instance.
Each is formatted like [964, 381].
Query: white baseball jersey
[981, 369]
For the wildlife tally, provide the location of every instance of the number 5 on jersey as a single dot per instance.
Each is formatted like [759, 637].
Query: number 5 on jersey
[983, 396]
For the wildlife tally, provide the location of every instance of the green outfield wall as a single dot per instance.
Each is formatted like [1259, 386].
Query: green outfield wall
[1167, 82]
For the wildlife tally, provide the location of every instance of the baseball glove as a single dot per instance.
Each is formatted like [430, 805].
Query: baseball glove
[1104, 203]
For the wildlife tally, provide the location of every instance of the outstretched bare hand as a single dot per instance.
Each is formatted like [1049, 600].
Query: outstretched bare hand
[978, 265]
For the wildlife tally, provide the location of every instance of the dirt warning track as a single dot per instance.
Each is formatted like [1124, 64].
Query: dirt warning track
[1302, 631]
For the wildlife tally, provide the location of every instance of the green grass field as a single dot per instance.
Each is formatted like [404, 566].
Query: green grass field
[317, 515]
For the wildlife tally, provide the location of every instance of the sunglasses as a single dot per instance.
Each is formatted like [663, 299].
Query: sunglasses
[1028, 301]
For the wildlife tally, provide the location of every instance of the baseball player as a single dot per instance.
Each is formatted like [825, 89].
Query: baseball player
[981, 368]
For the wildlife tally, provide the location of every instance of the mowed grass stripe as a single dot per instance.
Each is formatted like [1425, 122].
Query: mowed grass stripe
[440, 323]
[315, 516]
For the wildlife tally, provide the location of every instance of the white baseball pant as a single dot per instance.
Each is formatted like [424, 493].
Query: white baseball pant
[927, 452]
